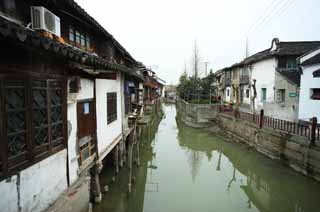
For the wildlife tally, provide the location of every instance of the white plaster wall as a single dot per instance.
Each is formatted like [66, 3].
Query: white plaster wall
[9, 198]
[42, 183]
[309, 107]
[72, 142]
[37, 187]
[107, 133]
[86, 92]
[264, 73]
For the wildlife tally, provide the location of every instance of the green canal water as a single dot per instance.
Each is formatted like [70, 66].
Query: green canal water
[184, 169]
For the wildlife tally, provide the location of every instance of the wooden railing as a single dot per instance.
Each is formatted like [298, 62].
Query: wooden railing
[310, 130]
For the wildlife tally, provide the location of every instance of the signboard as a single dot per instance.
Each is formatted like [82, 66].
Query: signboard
[293, 95]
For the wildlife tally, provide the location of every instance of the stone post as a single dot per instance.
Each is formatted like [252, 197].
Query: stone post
[313, 130]
[261, 118]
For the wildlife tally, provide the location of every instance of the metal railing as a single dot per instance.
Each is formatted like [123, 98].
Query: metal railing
[309, 130]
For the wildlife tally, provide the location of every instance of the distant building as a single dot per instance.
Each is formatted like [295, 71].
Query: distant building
[309, 104]
[268, 80]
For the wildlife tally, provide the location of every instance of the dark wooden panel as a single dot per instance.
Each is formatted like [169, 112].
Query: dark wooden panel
[86, 119]
[33, 120]
[111, 107]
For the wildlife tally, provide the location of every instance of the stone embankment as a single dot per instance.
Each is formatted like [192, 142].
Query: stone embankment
[292, 150]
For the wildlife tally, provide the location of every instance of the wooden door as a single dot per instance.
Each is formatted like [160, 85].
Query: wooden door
[86, 129]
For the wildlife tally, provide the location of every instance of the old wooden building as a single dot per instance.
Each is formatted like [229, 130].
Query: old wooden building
[67, 89]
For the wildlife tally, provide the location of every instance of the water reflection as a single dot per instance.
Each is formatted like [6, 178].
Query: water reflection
[185, 169]
[269, 186]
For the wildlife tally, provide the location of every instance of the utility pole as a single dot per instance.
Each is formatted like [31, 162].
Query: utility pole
[206, 68]
[247, 47]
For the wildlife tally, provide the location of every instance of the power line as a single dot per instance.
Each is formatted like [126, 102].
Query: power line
[265, 13]
[277, 13]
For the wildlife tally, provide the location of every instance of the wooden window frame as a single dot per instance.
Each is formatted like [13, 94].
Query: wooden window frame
[111, 107]
[263, 94]
[281, 95]
[80, 39]
[34, 153]
[313, 95]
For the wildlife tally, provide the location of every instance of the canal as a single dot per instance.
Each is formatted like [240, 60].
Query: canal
[184, 169]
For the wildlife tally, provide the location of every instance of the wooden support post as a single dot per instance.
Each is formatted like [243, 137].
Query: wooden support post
[130, 154]
[261, 118]
[314, 123]
[95, 184]
[116, 155]
[121, 148]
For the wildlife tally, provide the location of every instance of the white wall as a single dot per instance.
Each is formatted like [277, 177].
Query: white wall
[264, 73]
[107, 133]
[228, 97]
[308, 107]
[86, 92]
[37, 187]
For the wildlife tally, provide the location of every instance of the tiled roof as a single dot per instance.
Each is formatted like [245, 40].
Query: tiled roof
[296, 48]
[17, 33]
[91, 20]
[313, 60]
[284, 49]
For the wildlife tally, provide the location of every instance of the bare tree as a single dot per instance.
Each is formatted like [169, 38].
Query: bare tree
[195, 60]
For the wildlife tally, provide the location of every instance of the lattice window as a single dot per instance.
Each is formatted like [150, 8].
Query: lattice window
[16, 122]
[56, 95]
[111, 107]
[31, 121]
[39, 115]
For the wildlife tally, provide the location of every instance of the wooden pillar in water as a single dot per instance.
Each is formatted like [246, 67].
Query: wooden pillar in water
[116, 158]
[95, 188]
[130, 154]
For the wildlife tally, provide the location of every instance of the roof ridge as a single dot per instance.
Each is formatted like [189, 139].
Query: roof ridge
[75, 5]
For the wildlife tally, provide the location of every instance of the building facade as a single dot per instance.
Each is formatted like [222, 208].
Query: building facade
[309, 102]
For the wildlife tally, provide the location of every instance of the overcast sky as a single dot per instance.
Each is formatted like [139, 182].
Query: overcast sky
[162, 33]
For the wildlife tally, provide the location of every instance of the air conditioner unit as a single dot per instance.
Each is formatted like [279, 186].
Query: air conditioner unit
[43, 19]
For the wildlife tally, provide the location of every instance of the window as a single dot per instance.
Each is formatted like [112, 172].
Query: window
[228, 92]
[263, 94]
[71, 35]
[315, 93]
[79, 39]
[88, 46]
[111, 107]
[82, 41]
[33, 124]
[281, 95]
[291, 63]
[316, 73]
[247, 93]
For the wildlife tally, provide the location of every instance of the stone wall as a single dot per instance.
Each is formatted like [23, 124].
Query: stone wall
[197, 115]
[292, 150]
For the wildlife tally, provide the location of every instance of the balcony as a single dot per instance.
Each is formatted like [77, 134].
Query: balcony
[244, 80]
